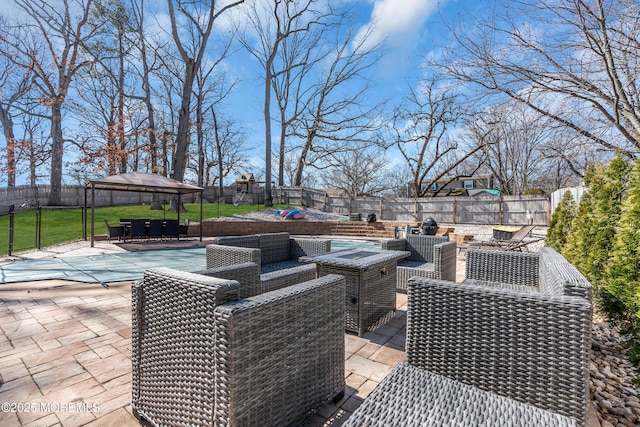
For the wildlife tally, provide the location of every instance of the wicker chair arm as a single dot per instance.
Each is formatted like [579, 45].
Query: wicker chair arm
[247, 274]
[394, 245]
[530, 347]
[222, 255]
[262, 341]
[308, 247]
[517, 268]
[445, 260]
[172, 321]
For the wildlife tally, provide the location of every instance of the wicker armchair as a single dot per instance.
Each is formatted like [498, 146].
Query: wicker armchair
[253, 283]
[201, 357]
[546, 271]
[432, 257]
[487, 355]
[276, 253]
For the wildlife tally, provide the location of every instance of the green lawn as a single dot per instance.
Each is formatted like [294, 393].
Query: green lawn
[62, 225]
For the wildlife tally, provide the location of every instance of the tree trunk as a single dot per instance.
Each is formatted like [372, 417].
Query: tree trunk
[184, 123]
[219, 152]
[268, 199]
[57, 146]
[7, 126]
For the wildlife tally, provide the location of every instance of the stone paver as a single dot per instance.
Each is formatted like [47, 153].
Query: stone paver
[65, 356]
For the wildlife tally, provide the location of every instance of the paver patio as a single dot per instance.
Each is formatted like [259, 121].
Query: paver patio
[65, 350]
[65, 356]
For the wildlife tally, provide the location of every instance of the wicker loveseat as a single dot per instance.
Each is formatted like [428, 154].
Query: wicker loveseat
[497, 355]
[276, 253]
[202, 357]
[431, 256]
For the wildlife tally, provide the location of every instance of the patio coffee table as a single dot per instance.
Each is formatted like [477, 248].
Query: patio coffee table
[371, 284]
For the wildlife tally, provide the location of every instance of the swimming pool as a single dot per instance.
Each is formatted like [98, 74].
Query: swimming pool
[342, 244]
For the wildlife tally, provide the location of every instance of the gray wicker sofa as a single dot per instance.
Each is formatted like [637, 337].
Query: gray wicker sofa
[496, 355]
[203, 357]
[276, 253]
[431, 256]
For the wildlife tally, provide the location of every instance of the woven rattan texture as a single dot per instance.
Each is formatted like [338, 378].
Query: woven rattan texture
[280, 355]
[558, 276]
[530, 347]
[435, 256]
[282, 278]
[517, 268]
[248, 241]
[223, 255]
[173, 345]
[247, 274]
[303, 246]
[274, 247]
[201, 358]
[547, 271]
[411, 397]
[370, 294]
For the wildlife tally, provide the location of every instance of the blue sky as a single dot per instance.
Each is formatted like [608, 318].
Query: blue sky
[409, 30]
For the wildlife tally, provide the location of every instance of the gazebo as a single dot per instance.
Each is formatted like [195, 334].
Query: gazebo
[138, 182]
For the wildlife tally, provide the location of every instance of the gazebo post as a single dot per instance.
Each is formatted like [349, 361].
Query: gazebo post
[84, 216]
[93, 205]
[201, 216]
[178, 210]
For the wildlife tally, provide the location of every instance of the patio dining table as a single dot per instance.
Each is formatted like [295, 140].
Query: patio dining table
[371, 284]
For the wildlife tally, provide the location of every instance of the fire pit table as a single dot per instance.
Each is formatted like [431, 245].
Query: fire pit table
[371, 284]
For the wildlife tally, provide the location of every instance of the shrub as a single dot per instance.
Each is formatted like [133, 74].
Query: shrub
[533, 192]
[620, 296]
[593, 230]
[560, 226]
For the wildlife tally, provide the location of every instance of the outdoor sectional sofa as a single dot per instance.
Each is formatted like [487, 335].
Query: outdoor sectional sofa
[509, 346]
[431, 256]
[276, 254]
[201, 356]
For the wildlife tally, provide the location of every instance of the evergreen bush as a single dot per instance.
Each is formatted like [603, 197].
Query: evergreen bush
[593, 230]
[620, 296]
[561, 220]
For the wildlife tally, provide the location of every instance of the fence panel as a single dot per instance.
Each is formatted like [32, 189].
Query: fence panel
[515, 210]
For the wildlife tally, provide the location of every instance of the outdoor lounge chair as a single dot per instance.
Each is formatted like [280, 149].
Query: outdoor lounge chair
[481, 353]
[431, 256]
[517, 242]
[202, 357]
[183, 229]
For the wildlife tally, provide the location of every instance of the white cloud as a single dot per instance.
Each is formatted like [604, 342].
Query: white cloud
[395, 20]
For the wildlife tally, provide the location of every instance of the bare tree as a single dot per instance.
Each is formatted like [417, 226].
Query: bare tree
[197, 21]
[575, 62]
[272, 25]
[419, 130]
[516, 137]
[357, 172]
[64, 30]
[14, 83]
[335, 117]
[223, 151]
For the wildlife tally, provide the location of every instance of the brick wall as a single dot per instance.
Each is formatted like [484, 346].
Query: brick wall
[230, 228]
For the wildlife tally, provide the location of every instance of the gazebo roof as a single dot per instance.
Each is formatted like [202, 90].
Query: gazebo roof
[144, 183]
